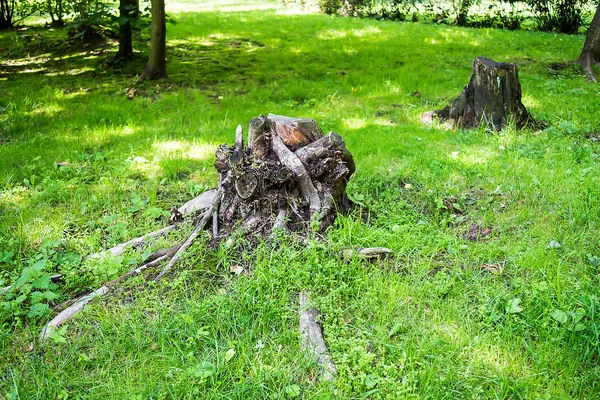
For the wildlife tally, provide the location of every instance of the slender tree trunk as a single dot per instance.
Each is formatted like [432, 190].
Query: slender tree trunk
[6, 12]
[126, 10]
[157, 64]
[590, 54]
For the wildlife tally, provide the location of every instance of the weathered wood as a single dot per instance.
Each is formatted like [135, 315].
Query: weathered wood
[291, 162]
[79, 304]
[246, 185]
[190, 239]
[222, 155]
[367, 252]
[274, 185]
[492, 97]
[199, 203]
[323, 148]
[312, 338]
[71, 311]
[123, 247]
[295, 131]
[239, 138]
[256, 127]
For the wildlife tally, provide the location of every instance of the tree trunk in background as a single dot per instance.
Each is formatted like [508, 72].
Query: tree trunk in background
[126, 13]
[492, 97]
[590, 54]
[157, 64]
[7, 8]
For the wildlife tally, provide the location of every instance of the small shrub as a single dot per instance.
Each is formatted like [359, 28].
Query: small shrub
[564, 16]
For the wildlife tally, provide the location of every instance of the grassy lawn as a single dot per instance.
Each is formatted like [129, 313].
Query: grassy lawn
[493, 288]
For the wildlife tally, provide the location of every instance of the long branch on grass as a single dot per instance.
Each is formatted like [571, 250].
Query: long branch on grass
[74, 309]
[312, 338]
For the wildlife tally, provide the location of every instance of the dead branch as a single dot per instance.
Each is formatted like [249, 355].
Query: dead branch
[367, 252]
[197, 204]
[312, 338]
[71, 311]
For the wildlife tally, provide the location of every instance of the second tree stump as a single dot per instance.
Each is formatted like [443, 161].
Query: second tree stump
[492, 97]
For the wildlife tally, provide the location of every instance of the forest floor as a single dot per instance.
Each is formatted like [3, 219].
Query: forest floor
[492, 291]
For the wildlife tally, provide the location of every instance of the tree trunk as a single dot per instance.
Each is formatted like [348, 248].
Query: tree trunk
[492, 97]
[590, 54]
[126, 11]
[288, 177]
[157, 64]
[7, 8]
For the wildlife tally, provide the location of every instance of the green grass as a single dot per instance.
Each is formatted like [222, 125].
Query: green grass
[432, 322]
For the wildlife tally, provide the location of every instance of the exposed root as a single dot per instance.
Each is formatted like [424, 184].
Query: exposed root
[190, 239]
[74, 309]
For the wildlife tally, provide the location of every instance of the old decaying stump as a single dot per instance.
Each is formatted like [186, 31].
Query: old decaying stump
[289, 176]
[492, 97]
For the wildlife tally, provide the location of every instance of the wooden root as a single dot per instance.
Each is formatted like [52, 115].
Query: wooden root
[190, 239]
[78, 306]
[198, 204]
[312, 339]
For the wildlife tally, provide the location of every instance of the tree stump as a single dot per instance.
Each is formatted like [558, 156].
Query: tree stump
[289, 176]
[492, 97]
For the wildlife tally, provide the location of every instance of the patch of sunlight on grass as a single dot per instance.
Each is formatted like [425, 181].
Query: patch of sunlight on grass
[15, 196]
[473, 156]
[195, 40]
[169, 146]
[332, 34]
[393, 87]
[222, 6]
[492, 356]
[142, 166]
[48, 109]
[354, 123]
[366, 31]
[451, 332]
[71, 72]
[530, 101]
[36, 230]
[197, 151]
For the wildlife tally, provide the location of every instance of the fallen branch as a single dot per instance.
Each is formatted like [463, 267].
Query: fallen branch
[312, 338]
[367, 252]
[71, 311]
[122, 248]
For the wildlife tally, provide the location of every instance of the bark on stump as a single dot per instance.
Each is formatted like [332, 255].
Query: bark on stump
[492, 97]
[289, 176]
